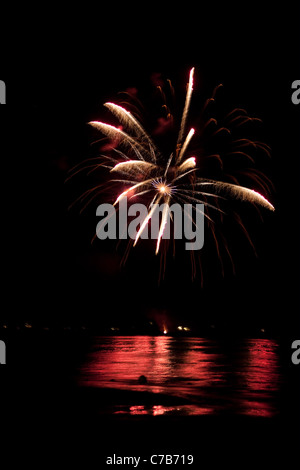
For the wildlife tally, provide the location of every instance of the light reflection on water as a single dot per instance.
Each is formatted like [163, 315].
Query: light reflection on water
[206, 376]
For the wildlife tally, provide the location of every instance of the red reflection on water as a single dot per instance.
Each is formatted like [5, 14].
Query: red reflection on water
[158, 410]
[261, 377]
[164, 361]
[243, 379]
[262, 373]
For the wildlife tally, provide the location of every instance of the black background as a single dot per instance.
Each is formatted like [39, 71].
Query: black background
[59, 67]
[59, 70]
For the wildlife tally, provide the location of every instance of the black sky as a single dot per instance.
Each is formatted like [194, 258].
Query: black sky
[58, 74]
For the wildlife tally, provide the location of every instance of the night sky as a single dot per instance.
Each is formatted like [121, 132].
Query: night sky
[58, 75]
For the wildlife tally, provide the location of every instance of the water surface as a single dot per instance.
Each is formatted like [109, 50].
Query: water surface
[200, 376]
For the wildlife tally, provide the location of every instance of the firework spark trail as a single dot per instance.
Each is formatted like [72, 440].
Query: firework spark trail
[132, 123]
[132, 166]
[164, 220]
[240, 192]
[177, 179]
[186, 108]
[187, 164]
[185, 145]
[131, 188]
[126, 118]
[115, 132]
[153, 208]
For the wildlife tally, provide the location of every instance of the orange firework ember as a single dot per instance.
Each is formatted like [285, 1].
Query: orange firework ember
[136, 162]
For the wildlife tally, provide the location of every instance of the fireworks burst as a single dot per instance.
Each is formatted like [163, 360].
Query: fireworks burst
[137, 165]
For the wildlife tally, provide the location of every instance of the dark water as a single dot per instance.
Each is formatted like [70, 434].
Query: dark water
[187, 376]
[76, 398]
